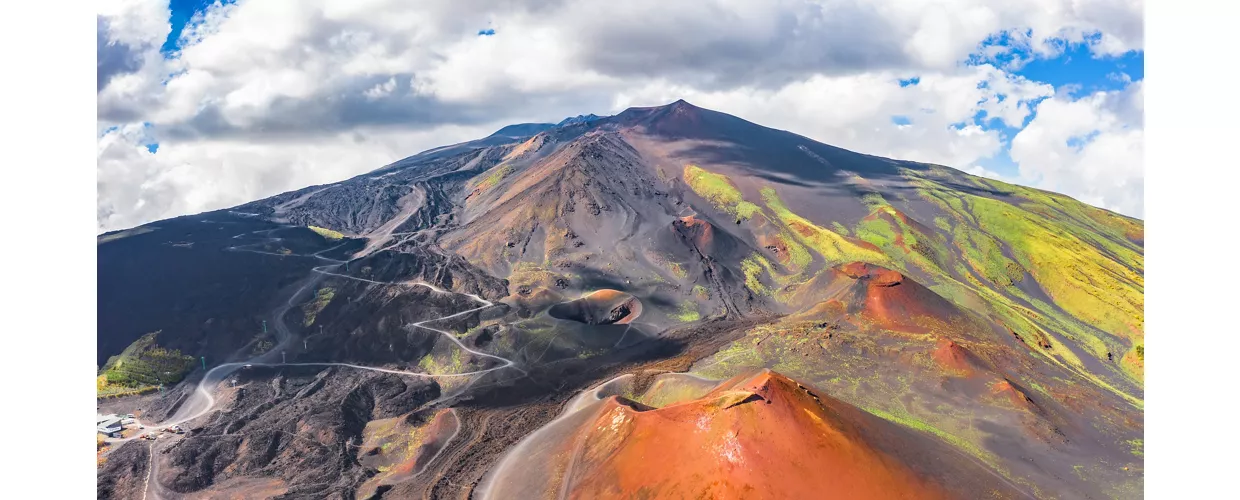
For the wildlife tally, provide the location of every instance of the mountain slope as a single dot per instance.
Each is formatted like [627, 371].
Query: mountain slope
[997, 321]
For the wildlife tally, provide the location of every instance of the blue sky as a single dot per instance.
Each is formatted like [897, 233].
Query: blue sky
[182, 12]
[1075, 70]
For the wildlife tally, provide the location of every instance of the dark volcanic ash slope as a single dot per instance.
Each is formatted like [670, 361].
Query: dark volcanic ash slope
[1001, 322]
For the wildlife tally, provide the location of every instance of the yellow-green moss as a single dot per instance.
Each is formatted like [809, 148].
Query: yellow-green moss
[754, 267]
[910, 421]
[322, 298]
[686, 313]
[491, 177]
[720, 191]
[834, 248]
[798, 257]
[701, 292]
[327, 233]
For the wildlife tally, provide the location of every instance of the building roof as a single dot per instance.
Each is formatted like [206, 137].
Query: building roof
[109, 425]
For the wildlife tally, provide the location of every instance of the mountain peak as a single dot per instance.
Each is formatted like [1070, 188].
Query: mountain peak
[578, 119]
[678, 104]
[679, 116]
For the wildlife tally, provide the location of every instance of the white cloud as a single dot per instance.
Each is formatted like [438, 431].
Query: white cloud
[1091, 148]
[137, 186]
[381, 90]
[981, 171]
[855, 112]
[258, 82]
[135, 22]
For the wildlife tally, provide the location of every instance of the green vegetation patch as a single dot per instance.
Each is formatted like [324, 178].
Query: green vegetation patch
[839, 228]
[753, 267]
[491, 177]
[327, 233]
[798, 256]
[1086, 282]
[910, 421]
[701, 292]
[433, 366]
[677, 270]
[686, 313]
[904, 241]
[833, 247]
[720, 191]
[322, 298]
[141, 367]
[1096, 305]
[532, 275]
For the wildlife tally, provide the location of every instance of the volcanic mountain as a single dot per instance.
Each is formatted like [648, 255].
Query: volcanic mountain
[490, 281]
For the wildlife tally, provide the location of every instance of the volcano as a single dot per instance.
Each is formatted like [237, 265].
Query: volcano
[997, 327]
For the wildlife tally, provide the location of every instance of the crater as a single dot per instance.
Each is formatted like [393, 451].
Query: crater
[601, 307]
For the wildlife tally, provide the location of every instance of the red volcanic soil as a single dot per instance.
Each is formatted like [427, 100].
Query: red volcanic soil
[1004, 388]
[602, 307]
[893, 301]
[696, 231]
[754, 436]
[954, 357]
[703, 237]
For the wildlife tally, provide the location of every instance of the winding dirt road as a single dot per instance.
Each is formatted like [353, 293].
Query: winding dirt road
[201, 401]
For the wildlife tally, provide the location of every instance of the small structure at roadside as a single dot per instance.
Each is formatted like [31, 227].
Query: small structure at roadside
[109, 425]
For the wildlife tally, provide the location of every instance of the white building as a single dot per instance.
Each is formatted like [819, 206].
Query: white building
[109, 425]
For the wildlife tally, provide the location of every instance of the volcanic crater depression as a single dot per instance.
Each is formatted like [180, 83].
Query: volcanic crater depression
[601, 307]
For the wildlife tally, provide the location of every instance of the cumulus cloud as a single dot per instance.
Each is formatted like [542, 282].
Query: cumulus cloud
[113, 58]
[1091, 148]
[137, 186]
[255, 83]
[855, 112]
